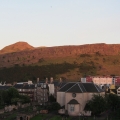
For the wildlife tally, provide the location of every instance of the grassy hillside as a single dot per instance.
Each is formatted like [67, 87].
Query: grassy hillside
[71, 68]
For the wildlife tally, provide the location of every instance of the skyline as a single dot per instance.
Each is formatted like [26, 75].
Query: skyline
[57, 22]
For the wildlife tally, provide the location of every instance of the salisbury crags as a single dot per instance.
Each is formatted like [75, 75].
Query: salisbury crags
[22, 53]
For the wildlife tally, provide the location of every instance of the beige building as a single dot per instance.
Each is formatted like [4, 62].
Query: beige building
[74, 97]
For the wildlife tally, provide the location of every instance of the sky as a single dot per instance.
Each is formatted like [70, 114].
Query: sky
[59, 22]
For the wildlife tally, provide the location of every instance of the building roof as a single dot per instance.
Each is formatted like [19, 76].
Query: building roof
[66, 86]
[24, 86]
[75, 88]
[73, 101]
[18, 86]
[79, 87]
[4, 87]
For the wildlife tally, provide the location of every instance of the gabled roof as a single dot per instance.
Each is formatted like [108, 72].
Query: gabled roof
[73, 101]
[79, 87]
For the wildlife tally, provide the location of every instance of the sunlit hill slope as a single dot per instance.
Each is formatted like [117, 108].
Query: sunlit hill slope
[21, 61]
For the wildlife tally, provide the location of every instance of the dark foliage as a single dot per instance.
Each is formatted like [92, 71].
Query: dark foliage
[85, 55]
[25, 73]
[11, 96]
[52, 98]
[88, 68]
[97, 105]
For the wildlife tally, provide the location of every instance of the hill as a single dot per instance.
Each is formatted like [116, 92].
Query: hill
[16, 47]
[70, 62]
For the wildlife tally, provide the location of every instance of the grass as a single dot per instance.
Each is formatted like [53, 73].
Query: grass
[39, 117]
[11, 117]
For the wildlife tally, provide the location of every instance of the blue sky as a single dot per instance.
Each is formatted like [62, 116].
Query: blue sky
[59, 22]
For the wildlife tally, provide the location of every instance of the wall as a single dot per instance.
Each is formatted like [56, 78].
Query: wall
[61, 98]
[80, 97]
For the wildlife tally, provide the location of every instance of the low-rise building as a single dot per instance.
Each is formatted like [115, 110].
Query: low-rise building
[26, 89]
[74, 97]
[42, 90]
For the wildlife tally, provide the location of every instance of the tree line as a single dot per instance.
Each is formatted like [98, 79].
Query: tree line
[11, 96]
[99, 104]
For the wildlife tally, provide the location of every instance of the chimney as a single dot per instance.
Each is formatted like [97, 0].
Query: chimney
[60, 80]
[37, 80]
[46, 81]
[51, 80]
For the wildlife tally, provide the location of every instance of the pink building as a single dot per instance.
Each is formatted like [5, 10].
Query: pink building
[117, 81]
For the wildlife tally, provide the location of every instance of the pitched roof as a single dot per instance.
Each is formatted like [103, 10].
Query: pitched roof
[73, 101]
[80, 88]
[101, 90]
[61, 84]
[90, 87]
[75, 88]
[66, 87]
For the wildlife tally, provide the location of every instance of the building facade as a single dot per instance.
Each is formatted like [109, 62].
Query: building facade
[74, 96]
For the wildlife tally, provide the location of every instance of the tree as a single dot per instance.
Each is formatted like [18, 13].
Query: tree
[15, 100]
[13, 93]
[55, 106]
[52, 98]
[97, 104]
[6, 97]
[1, 99]
[113, 101]
[24, 99]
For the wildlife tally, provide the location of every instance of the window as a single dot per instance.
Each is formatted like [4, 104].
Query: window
[73, 95]
[71, 108]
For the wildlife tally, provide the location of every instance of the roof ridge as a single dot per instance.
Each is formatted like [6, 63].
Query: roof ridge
[79, 87]
[84, 87]
[63, 86]
[96, 88]
[71, 87]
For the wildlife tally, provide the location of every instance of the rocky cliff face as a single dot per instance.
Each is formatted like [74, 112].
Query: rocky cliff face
[28, 55]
